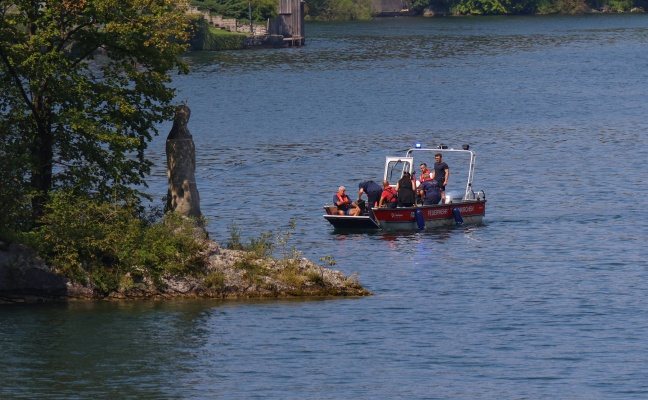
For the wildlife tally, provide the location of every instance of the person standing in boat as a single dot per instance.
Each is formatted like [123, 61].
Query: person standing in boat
[425, 171]
[429, 191]
[389, 197]
[373, 191]
[406, 191]
[344, 205]
[441, 174]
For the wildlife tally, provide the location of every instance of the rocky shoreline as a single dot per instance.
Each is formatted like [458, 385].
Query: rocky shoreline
[25, 278]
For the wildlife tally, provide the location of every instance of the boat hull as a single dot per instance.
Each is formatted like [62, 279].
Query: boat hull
[348, 222]
[435, 216]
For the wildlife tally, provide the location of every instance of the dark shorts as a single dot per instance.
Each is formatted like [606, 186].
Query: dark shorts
[390, 205]
[373, 198]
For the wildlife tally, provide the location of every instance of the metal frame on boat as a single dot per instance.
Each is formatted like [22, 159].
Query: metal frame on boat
[468, 208]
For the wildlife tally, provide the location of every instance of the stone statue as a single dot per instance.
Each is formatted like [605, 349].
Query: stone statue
[183, 194]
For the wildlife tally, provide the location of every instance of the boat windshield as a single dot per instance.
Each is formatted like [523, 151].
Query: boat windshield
[395, 167]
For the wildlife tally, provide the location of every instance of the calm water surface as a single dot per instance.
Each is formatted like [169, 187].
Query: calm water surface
[547, 299]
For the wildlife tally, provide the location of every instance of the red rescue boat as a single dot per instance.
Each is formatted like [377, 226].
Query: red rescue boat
[460, 207]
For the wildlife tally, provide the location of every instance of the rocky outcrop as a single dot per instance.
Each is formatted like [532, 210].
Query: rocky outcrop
[25, 278]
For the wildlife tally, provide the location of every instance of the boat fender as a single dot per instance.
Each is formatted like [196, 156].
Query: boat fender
[457, 215]
[420, 221]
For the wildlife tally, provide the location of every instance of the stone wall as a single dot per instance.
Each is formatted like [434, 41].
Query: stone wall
[229, 24]
[274, 41]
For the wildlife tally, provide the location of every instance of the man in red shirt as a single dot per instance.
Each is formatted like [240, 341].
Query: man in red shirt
[388, 197]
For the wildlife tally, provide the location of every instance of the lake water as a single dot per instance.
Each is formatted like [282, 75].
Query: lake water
[547, 299]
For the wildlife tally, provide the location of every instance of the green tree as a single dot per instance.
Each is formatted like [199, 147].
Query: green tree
[84, 83]
[264, 9]
[347, 10]
[489, 7]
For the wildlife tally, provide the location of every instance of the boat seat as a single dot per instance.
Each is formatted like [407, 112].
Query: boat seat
[331, 210]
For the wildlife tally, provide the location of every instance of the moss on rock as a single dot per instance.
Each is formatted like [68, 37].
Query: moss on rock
[26, 278]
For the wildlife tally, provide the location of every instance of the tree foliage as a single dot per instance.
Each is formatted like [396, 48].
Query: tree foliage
[507, 7]
[109, 245]
[493, 7]
[339, 10]
[84, 82]
[347, 10]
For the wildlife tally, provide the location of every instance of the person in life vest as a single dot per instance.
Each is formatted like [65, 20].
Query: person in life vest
[388, 198]
[424, 171]
[430, 192]
[344, 205]
[441, 174]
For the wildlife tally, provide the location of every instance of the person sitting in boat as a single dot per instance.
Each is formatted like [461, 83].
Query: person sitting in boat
[388, 198]
[406, 191]
[344, 205]
[430, 191]
[373, 191]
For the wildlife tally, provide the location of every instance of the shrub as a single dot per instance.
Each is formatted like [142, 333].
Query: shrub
[620, 5]
[215, 280]
[99, 243]
[260, 247]
[208, 38]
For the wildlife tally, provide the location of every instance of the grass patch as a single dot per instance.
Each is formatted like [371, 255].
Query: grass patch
[215, 280]
[260, 267]
[225, 32]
